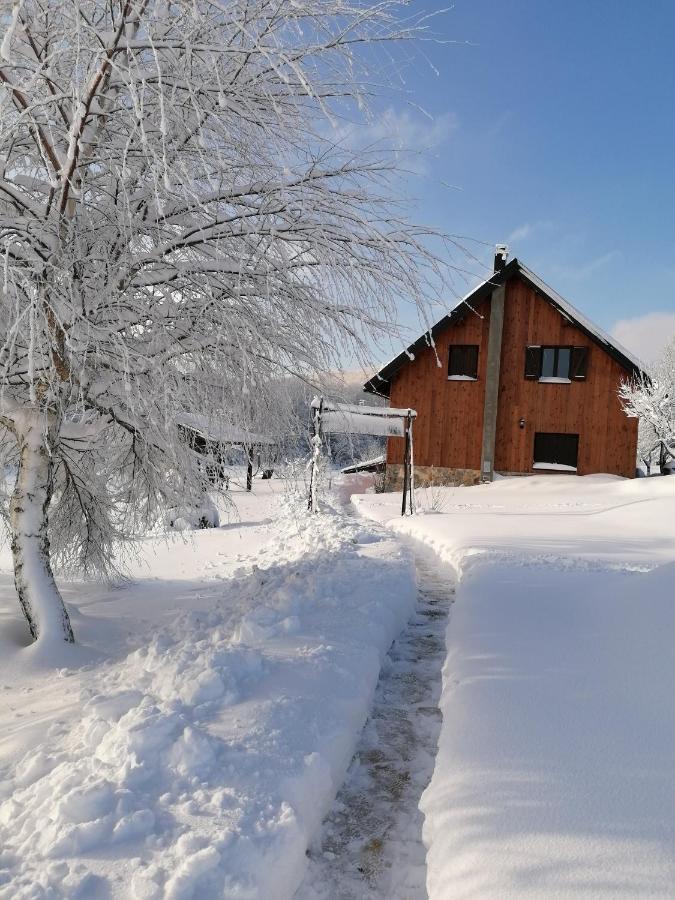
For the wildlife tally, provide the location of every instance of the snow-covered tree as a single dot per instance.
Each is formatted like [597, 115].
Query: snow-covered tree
[178, 226]
[651, 398]
[647, 443]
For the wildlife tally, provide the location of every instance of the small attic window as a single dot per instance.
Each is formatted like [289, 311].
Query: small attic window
[463, 362]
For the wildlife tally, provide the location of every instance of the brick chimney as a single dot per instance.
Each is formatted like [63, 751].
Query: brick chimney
[501, 255]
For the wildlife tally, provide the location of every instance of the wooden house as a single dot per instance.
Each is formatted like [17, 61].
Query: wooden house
[514, 380]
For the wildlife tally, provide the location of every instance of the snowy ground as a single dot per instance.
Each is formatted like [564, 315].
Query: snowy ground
[371, 845]
[198, 737]
[555, 775]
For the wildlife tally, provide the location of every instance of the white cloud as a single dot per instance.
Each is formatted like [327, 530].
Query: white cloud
[410, 132]
[526, 231]
[400, 130]
[519, 233]
[585, 270]
[646, 335]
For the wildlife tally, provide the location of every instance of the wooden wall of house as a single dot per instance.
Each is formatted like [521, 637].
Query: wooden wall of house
[589, 408]
[449, 426]
[448, 430]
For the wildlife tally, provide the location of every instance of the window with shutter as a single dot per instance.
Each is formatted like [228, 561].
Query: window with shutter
[556, 364]
[533, 362]
[463, 362]
[579, 363]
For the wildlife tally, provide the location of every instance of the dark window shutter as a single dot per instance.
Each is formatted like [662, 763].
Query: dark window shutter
[472, 361]
[532, 362]
[452, 361]
[463, 360]
[579, 364]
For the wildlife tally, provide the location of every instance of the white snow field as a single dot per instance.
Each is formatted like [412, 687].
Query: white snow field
[193, 741]
[555, 773]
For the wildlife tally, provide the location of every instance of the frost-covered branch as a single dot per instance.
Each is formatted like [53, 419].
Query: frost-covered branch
[180, 228]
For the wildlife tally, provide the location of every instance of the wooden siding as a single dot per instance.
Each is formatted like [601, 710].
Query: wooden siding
[589, 408]
[449, 426]
[448, 430]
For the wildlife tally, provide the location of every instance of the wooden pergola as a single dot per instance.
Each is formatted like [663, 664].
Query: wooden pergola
[329, 417]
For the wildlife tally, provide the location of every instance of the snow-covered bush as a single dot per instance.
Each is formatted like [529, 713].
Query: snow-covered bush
[432, 497]
[200, 514]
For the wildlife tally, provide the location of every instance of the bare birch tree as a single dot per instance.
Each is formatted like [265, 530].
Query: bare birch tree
[174, 213]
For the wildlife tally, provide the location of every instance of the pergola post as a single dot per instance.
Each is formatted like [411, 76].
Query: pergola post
[411, 463]
[406, 452]
[312, 504]
[408, 497]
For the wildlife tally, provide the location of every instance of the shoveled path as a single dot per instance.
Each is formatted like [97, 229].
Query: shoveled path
[371, 843]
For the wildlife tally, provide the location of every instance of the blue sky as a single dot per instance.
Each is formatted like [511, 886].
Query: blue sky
[554, 129]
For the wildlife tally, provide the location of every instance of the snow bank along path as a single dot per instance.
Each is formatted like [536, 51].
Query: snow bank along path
[371, 843]
[555, 773]
[203, 762]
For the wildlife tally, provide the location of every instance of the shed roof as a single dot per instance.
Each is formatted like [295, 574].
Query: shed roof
[218, 432]
[379, 383]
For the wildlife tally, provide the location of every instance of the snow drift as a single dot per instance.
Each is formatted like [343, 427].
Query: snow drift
[555, 774]
[203, 763]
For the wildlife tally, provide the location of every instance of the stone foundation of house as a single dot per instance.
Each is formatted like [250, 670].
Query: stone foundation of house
[430, 475]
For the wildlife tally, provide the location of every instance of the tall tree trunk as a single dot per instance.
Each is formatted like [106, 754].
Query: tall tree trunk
[39, 596]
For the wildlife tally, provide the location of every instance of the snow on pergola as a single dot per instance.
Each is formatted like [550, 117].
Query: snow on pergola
[381, 421]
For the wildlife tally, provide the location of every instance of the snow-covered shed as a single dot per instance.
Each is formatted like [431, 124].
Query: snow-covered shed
[213, 438]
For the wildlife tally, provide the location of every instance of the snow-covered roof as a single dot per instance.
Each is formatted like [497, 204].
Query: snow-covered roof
[379, 383]
[365, 465]
[580, 319]
[221, 432]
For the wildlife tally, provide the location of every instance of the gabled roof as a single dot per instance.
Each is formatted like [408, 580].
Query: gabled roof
[379, 383]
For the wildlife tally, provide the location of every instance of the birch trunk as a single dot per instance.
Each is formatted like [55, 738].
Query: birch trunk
[39, 596]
